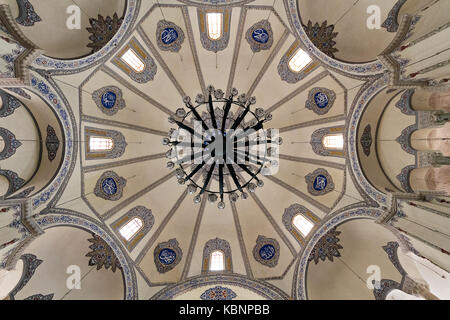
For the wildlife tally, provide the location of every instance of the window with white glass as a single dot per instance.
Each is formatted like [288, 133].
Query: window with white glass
[333, 141]
[100, 144]
[130, 58]
[131, 228]
[217, 261]
[299, 61]
[214, 23]
[302, 224]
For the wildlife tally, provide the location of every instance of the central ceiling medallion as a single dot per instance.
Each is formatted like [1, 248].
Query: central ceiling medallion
[221, 147]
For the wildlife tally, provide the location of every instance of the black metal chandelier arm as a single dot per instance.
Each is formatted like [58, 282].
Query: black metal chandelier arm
[189, 129]
[197, 116]
[226, 111]
[211, 111]
[235, 179]
[238, 121]
[247, 156]
[221, 181]
[193, 172]
[246, 169]
[208, 178]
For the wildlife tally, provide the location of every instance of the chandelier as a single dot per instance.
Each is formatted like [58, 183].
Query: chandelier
[220, 146]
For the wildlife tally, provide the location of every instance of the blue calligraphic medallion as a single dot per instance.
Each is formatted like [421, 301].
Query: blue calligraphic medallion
[109, 186]
[167, 256]
[320, 182]
[321, 99]
[109, 99]
[260, 35]
[169, 35]
[267, 252]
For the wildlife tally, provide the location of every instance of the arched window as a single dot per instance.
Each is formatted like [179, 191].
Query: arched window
[302, 224]
[129, 230]
[217, 261]
[299, 61]
[217, 256]
[100, 144]
[333, 141]
[103, 143]
[214, 23]
[130, 58]
[133, 226]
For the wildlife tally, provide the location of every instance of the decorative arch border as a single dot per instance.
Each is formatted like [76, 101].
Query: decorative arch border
[355, 69]
[299, 284]
[49, 92]
[213, 245]
[74, 65]
[352, 212]
[218, 3]
[260, 287]
[369, 91]
[64, 217]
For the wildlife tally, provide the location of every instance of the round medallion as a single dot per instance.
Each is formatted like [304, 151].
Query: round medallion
[260, 35]
[267, 252]
[167, 256]
[109, 186]
[109, 99]
[169, 35]
[320, 182]
[321, 99]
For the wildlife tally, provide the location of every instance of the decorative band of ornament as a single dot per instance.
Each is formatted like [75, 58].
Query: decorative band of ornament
[15, 182]
[266, 251]
[366, 140]
[391, 22]
[169, 36]
[319, 182]
[327, 247]
[91, 225]
[215, 3]
[326, 225]
[27, 16]
[10, 144]
[261, 288]
[358, 69]
[320, 100]
[214, 45]
[149, 66]
[130, 16]
[21, 92]
[358, 106]
[403, 177]
[260, 36]
[110, 186]
[167, 255]
[65, 116]
[51, 143]
[286, 73]
[109, 100]
[8, 104]
[30, 264]
[218, 293]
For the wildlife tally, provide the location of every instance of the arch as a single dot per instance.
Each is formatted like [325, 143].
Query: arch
[217, 245]
[262, 288]
[341, 216]
[64, 217]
